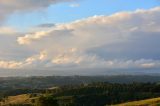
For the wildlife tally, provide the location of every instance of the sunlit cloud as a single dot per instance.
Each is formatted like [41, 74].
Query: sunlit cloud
[75, 5]
[125, 40]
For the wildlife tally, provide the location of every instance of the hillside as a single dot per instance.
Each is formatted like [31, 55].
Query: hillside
[27, 100]
[95, 94]
[147, 102]
[19, 99]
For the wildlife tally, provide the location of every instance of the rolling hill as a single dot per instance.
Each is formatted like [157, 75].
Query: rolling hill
[147, 102]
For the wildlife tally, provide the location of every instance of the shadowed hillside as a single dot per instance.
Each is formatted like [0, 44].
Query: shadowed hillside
[93, 94]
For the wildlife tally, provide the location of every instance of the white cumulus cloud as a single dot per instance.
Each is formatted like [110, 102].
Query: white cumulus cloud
[125, 40]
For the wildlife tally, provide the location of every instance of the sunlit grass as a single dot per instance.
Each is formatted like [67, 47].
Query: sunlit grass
[148, 102]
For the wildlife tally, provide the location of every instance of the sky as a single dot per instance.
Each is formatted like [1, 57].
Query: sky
[84, 37]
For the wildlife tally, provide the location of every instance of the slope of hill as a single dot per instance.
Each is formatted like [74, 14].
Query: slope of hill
[147, 102]
[26, 100]
[94, 94]
[19, 99]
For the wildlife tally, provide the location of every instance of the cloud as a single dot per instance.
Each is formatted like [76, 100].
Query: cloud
[7, 31]
[148, 65]
[75, 5]
[47, 25]
[97, 31]
[10, 64]
[8, 7]
[28, 62]
[29, 38]
[125, 40]
[78, 61]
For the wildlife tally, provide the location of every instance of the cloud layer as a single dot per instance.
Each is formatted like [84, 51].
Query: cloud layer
[125, 40]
